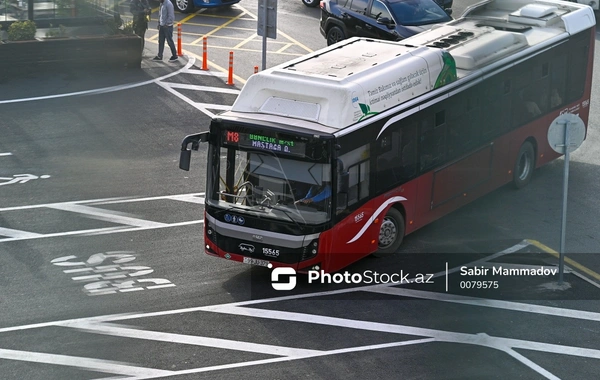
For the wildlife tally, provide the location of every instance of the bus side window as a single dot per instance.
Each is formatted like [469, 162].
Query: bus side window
[432, 141]
[578, 58]
[558, 81]
[358, 182]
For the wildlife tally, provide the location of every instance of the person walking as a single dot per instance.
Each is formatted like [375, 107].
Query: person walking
[140, 9]
[166, 18]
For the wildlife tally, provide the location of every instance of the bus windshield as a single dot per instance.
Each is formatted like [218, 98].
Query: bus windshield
[271, 182]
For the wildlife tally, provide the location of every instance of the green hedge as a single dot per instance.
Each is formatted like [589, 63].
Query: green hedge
[22, 31]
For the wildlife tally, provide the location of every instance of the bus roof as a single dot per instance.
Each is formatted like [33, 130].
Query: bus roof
[354, 79]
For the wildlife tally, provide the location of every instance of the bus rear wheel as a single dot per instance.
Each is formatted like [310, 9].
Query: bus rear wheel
[391, 233]
[524, 165]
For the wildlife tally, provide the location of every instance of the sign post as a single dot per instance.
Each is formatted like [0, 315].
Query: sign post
[566, 134]
[267, 25]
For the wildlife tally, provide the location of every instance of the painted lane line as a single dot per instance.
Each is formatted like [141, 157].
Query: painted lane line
[440, 335]
[102, 231]
[202, 88]
[202, 72]
[5, 154]
[490, 303]
[185, 99]
[568, 260]
[529, 363]
[107, 215]
[60, 234]
[227, 344]
[135, 229]
[91, 364]
[104, 90]
[121, 317]
[190, 197]
[210, 106]
[287, 359]
[18, 233]
[29, 207]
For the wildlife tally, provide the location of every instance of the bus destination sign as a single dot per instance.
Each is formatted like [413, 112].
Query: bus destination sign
[262, 142]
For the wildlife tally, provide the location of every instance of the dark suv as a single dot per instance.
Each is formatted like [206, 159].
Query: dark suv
[382, 19]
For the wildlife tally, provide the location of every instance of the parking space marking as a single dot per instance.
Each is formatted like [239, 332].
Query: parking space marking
[18, 233]
[105, 325]
[568, 260]
[221, 26]
[227, 344]
[204, 88]
[106, 215]
[106, 366]
[128, 222]
[244, 42]
[279, 32]
[489, 303]
[205, 72]
[202, 107]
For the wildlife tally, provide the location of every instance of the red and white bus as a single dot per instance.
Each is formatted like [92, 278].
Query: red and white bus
[397, 134]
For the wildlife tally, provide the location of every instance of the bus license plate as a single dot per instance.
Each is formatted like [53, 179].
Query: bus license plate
[250, 260]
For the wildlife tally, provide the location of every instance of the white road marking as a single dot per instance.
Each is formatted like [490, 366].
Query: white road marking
[20, 178]
[29, 207]
[107, 366]
[529, 363]
[206, 72]
[186, 99]
[439, 335]
[504, 344]
[285, 359]
[104, 90]
[129, 223]
[490, 303]
[219, 107]
[5, 154]
[18, 233]
[106, 215]
[227, 344]
[203, 88]
[191, 197]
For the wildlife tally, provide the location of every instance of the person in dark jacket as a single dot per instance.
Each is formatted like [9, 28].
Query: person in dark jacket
[140, 9]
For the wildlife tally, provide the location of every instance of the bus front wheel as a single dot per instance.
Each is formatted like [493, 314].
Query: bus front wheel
[391, 233]
[524, 165]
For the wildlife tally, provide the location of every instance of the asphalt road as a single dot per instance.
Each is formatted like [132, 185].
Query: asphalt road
[102, 273]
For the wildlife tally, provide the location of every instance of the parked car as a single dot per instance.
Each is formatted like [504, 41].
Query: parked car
[187, 6]
[382, 19]
[311, 3]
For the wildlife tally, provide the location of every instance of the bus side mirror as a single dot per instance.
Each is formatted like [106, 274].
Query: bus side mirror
[184, 160]
[186, 154]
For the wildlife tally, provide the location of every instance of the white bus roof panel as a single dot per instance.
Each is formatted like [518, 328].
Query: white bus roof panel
[357, 78]
[341, 85]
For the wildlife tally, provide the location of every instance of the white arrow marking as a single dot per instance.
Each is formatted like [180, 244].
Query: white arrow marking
[21, 178]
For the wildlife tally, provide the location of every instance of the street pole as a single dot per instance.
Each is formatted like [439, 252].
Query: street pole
[563, 228]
